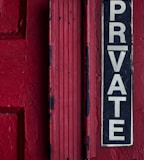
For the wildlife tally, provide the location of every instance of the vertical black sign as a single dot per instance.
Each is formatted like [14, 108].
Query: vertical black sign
[117, 119]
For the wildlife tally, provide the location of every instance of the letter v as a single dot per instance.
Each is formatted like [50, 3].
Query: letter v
[116, 65]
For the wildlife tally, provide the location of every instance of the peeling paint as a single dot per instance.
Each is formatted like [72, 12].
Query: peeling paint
[60, 18]
[50, 18]
[51, 102]
[50, 151]
[88, 143]
[49, 55]
[87, 111]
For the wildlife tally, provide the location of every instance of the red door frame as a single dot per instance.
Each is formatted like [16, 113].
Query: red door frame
[89, 95]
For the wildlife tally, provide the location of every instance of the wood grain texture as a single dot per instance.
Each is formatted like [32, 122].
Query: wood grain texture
[64, 39]
[67, 83]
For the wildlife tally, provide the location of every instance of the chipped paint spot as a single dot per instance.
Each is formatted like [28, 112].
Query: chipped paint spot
[50, 151]
[87, 111]
[50, 18]
[49, 55]
[60, 18]
[88, 143]
[51, 102]
[49, 116]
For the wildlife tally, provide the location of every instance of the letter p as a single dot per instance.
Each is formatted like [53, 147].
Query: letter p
[114, 11]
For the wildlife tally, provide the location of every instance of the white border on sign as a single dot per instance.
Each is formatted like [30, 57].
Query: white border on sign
[132, 70]
[102, 68]
[102, 77]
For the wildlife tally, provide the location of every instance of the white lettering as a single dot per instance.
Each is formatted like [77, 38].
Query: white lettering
[114, 87]
[120, 32]
[116, 65]
[117, 106]
[117, 48]
[113, 130]
[114, 11]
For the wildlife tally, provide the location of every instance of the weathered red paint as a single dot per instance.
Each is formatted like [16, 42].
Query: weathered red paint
[12, 28]
[62, 90]
[65, 77]
[12, 124]
[136, 151]
[23, 80]
[74, 81]
[89, 77]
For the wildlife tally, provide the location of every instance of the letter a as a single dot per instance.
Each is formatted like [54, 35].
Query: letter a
[120, 87]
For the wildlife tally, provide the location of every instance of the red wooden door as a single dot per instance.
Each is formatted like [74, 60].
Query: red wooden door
[23, 80]
[73, 84]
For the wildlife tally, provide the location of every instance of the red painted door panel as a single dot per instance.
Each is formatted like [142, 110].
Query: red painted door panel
[23, 80]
